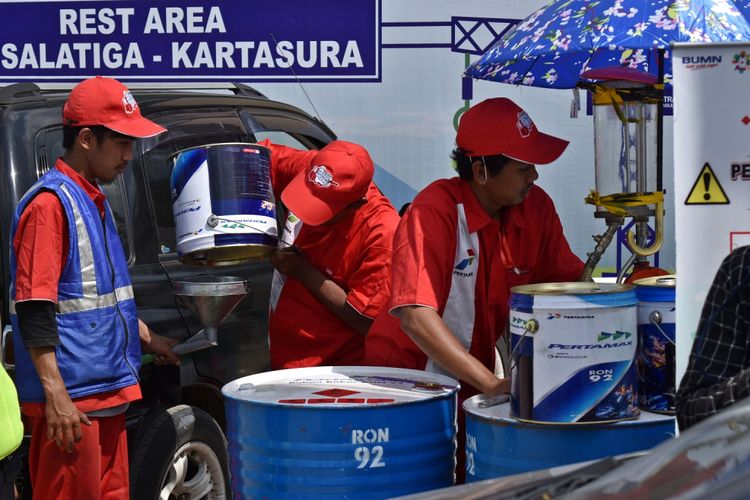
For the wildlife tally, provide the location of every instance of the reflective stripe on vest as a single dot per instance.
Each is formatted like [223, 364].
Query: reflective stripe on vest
[89, 303]
[85, 252]
[91, 299]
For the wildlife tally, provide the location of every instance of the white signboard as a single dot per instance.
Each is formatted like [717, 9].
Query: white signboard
[712, 163]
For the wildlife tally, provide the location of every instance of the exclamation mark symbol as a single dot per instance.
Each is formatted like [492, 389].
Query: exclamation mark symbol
[706, 183]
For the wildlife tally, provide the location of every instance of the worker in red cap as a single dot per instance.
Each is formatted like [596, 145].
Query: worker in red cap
[463, 243]
[77, 337]
[334, 256]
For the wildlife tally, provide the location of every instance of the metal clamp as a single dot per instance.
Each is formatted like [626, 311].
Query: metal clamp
[493, 401]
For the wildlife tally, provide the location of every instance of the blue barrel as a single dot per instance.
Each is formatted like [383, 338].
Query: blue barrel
[340, 432]
[223, 204]
[573, 350]
[656, 342]
[497, 445]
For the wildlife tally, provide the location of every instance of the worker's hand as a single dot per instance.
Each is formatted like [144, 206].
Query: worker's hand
[289, 261]
[63, 420]
[502, 386]
[158, 345]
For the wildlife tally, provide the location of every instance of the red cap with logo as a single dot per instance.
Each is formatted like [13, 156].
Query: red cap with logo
[107, 102]
[338, 175]
[499, 127]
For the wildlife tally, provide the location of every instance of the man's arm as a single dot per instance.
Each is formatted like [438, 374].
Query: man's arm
[718, 372]
[39, 332]
[427, 329]
[63, 418]
[158, 345]
[695, 404]
[291, 262]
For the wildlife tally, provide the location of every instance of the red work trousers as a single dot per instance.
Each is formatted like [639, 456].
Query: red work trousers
[96, 469]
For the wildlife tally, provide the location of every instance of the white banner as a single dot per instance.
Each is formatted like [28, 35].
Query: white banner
[712, 161]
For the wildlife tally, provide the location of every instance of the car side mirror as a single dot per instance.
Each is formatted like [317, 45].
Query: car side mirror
[6, 346]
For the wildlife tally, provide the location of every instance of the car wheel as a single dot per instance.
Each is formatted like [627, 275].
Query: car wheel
[180, 454]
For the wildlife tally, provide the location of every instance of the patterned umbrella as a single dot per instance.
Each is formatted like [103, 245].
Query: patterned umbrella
[555, 45]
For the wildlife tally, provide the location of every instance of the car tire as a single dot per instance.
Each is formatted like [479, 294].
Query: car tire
[180, 453]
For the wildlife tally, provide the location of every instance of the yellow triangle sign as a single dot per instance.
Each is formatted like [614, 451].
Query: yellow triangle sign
[706, 190]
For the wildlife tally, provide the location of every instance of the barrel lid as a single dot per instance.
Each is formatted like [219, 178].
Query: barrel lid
[340, 386]
[573, 288]
[667, 281]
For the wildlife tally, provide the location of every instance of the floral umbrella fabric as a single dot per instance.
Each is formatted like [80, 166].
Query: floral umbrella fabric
[557, 43]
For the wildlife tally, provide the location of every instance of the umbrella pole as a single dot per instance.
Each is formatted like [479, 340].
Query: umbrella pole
[660, 124]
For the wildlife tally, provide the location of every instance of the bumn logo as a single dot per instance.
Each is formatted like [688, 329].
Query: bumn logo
[701, 62]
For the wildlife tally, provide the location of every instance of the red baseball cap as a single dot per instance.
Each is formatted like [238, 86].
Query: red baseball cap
[107, 102]
[339, 174]
[499, 127]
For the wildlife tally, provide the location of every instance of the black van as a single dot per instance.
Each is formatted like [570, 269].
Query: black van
[175, 434]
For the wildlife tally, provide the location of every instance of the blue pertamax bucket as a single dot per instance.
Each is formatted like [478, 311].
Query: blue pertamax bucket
[223, 205]
[656, 342]
[573, 349]
[340, 432]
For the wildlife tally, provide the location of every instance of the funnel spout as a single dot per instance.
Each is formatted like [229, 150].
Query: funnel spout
[210, 299]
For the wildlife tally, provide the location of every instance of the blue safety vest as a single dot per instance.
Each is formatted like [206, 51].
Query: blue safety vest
[99, 347]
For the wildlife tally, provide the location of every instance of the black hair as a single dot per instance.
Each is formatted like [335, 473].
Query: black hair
[495, 163]
[70, 132]
[403, 209]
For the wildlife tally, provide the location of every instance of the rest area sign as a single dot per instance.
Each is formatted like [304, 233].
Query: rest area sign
[246, 40]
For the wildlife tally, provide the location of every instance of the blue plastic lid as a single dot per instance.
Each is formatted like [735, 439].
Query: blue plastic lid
[656, 289]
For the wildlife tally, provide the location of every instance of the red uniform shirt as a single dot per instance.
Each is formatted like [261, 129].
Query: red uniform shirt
[355, 253]
[41, 246]
[526, 246]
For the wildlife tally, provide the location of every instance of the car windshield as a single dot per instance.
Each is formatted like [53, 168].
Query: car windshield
[199, 126]
[710, 460]
[706, 459]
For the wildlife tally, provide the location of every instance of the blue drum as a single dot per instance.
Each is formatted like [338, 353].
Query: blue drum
[498, 445]
[573, 348]
[223, 204]
[656, 343]
[340, 432]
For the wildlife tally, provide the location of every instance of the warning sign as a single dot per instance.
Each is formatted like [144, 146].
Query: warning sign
[706, 190]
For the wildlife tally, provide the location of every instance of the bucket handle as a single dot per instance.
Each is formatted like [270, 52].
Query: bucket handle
[655, 319]
[532, 326]
[213, 221]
